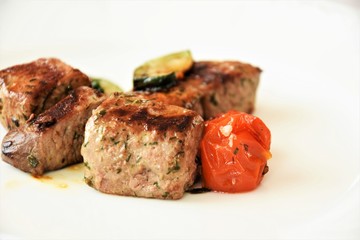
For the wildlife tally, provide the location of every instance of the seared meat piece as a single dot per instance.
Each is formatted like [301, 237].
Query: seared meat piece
[183, 95]
[225, 86]
[53, 139]
[34, 87]
[139, 147]
[211, 88]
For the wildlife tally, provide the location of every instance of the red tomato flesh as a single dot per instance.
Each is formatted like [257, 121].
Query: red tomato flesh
[234, 152]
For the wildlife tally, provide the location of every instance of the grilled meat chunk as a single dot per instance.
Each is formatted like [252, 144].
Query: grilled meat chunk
[139, 147]
[183, 95]
[53, 139]
[212, 88]
[33, 87]
[225, 86]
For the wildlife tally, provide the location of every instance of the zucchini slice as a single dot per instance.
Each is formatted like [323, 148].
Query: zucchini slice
[161, 73]
[155, 83]
[104, 86]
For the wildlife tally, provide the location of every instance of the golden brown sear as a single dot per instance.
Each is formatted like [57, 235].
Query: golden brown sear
[33, 87]
[139, 147]
[211, 88]
[52, 139]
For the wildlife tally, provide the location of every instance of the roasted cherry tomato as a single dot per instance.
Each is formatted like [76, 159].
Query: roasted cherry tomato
[234, 152]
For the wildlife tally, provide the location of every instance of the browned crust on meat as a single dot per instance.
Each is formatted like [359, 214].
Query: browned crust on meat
[143, 112]
[222, 71]
[209, 76]
[62, 110]
[139, 147]
[211, 81]
[182, 95]
[53, 139]
[33, 87]
[228, 85]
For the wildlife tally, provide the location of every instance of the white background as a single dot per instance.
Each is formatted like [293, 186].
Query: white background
[308, 96]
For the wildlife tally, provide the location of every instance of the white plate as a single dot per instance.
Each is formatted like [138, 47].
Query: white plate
[308, 97]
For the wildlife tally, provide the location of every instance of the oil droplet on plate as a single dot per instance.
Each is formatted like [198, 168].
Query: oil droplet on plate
[63, 178]
[62, 185]
[12, 184]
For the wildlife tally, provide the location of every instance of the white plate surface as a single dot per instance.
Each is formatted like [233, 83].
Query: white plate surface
[308, 97]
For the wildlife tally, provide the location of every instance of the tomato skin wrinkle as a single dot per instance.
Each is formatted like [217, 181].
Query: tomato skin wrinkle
[234, 152]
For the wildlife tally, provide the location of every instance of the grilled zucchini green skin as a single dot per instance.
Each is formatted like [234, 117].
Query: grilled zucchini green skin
[156, 83]
[163, 72]
[104, 86]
